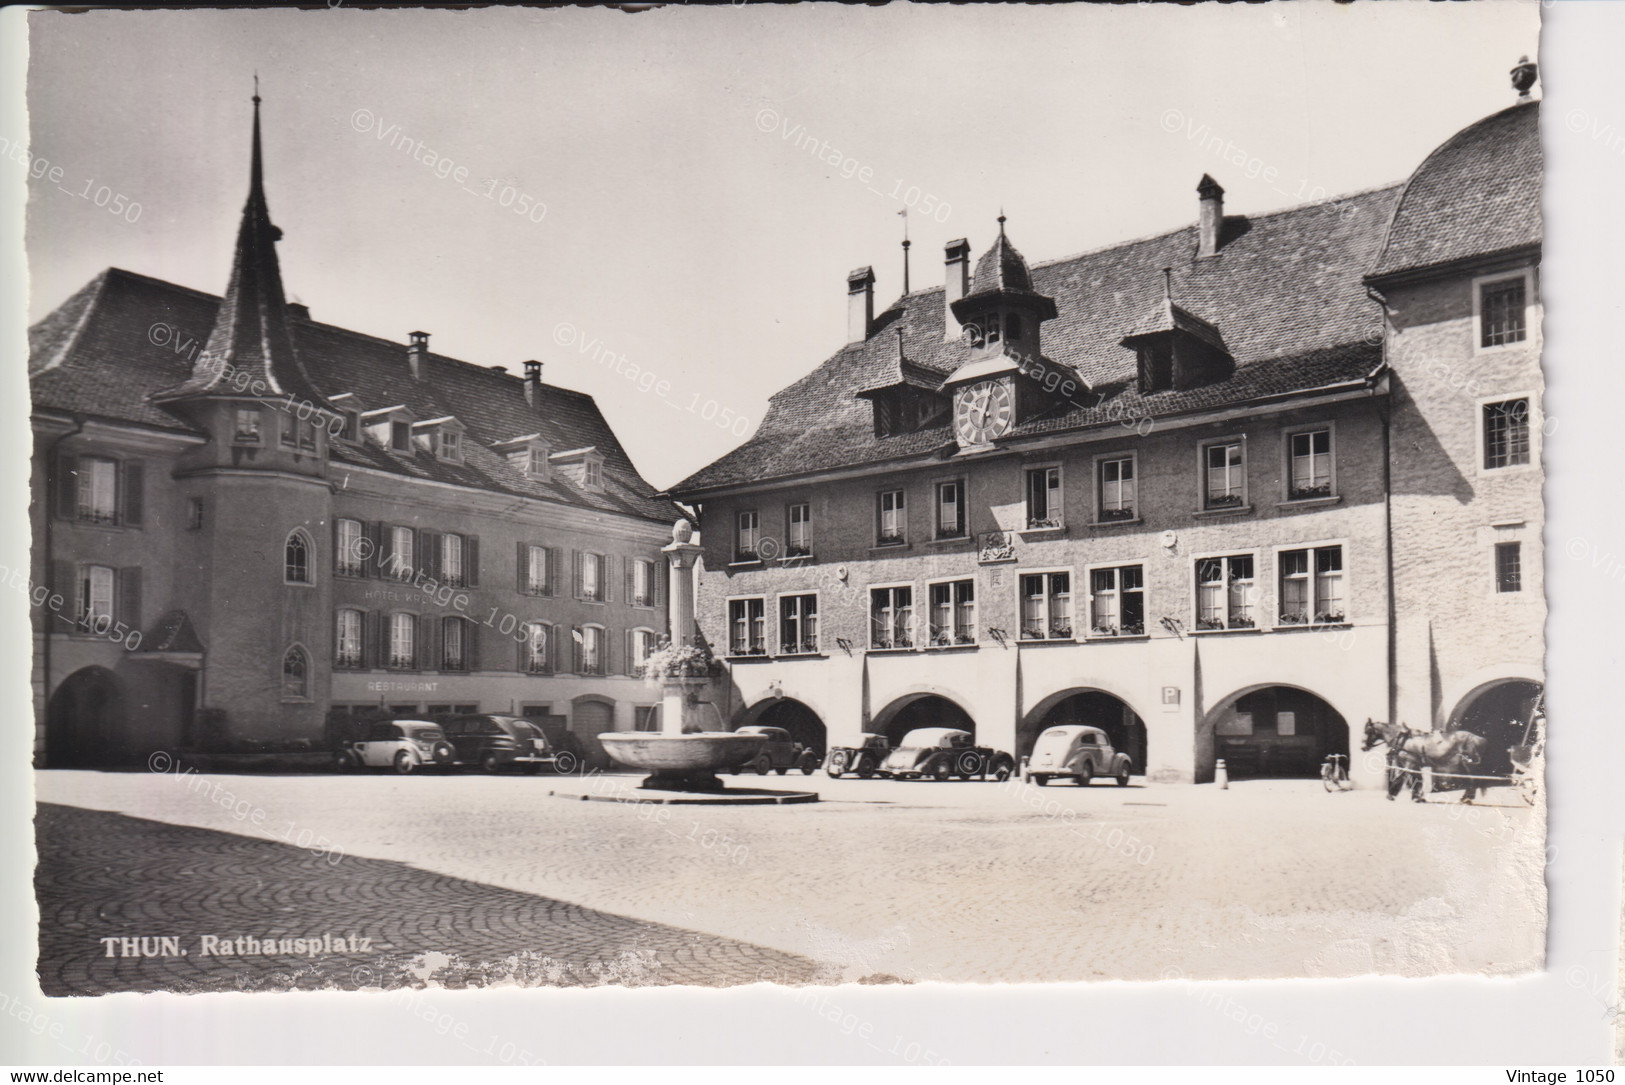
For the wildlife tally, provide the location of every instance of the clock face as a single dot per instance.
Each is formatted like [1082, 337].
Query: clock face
[983, 412]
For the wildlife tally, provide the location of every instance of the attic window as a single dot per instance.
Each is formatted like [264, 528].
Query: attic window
[352, 426]
[1156, 366]
[536, 461]
[583, 466]
[400, 436]
[449, 445]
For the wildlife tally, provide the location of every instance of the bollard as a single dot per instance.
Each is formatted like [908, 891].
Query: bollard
[1221, 775]
[1427, 781]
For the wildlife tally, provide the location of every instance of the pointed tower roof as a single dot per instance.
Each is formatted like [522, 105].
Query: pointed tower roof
[1002, 268]
[249, 351]
[1003, 271]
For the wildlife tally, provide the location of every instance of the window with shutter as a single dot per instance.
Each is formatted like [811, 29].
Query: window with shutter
[471, 561]
[67, 487]
[426, 654]
[134, 493]
[129, 600]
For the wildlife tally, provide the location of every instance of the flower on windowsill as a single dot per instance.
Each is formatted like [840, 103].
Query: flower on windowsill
[889, 540]
[1043, 523]
[1295, 618]
[1032, 632]
[1242, 623]
[1304, 493]
[670, 660]
[798, 550]
[745, 555]
[1329, 616]
[1103, 631]
[1117, 514]
[1209, 623]
[1134, 629]
[965, 638]
[810, 647]
[1060, 630]
[941, 637]
[1223, 501]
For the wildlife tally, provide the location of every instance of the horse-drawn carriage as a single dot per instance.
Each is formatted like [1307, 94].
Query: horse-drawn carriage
[1452, 756]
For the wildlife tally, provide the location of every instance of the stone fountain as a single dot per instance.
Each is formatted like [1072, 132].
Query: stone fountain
[680, 756]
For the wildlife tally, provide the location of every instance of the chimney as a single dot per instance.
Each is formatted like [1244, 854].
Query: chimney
[1210, 216]
[298, 311]
[416, 347]
[1523, 78]
[533, 381]
[860, 304]
[956, 254]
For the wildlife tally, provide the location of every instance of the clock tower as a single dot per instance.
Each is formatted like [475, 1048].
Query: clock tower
[1005, 378]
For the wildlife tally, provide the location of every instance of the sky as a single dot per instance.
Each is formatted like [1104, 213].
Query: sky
[662, 207]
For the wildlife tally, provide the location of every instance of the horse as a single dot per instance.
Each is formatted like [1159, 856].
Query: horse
[1443, 751]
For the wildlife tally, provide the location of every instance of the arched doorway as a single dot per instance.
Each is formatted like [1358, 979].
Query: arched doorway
[1094, 707]
[84, 721]
[1277, 731]
[1500, 712]
[802, 722]
[919, 710]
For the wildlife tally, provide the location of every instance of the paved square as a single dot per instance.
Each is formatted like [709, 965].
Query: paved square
[968, 882]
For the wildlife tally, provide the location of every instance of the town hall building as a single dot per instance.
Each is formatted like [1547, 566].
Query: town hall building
[1228, 492]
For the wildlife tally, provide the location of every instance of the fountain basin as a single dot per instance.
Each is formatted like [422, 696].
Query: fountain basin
[681, 762]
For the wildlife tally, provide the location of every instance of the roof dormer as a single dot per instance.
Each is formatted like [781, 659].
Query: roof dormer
[529, 455]
[582, 466]
[443, 437]
[390, 427]
[350, 409]
[1176, 348]
[906, 398]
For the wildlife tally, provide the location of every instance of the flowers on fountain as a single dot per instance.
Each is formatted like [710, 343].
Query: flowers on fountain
[670, 660]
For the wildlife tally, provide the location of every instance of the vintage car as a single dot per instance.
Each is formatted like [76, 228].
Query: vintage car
[863, 759]
[941, 752]
[402, 745]
[497, 742]
[780, 754]
[1078, 752]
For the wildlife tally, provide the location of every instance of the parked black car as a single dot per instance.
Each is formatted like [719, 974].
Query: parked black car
[496, 742]
[780, 753]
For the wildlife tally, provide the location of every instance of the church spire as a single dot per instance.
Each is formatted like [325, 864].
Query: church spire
[249, 351]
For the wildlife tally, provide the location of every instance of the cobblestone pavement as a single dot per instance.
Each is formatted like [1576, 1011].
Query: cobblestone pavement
[959, 881]
[106, 875]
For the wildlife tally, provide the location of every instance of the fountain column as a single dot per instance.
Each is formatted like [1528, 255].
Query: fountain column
[682, 757]
[681, 555]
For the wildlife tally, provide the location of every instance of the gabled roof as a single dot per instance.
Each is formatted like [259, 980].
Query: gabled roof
[125, 336]
[1285, 292]
[1476, 195]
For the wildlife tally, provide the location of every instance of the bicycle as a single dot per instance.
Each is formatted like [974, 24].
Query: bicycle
[1334, 773]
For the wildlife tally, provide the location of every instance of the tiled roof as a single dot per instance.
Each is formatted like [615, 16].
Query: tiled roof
[1284, 293]
[123, 337]
[1477, 194]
